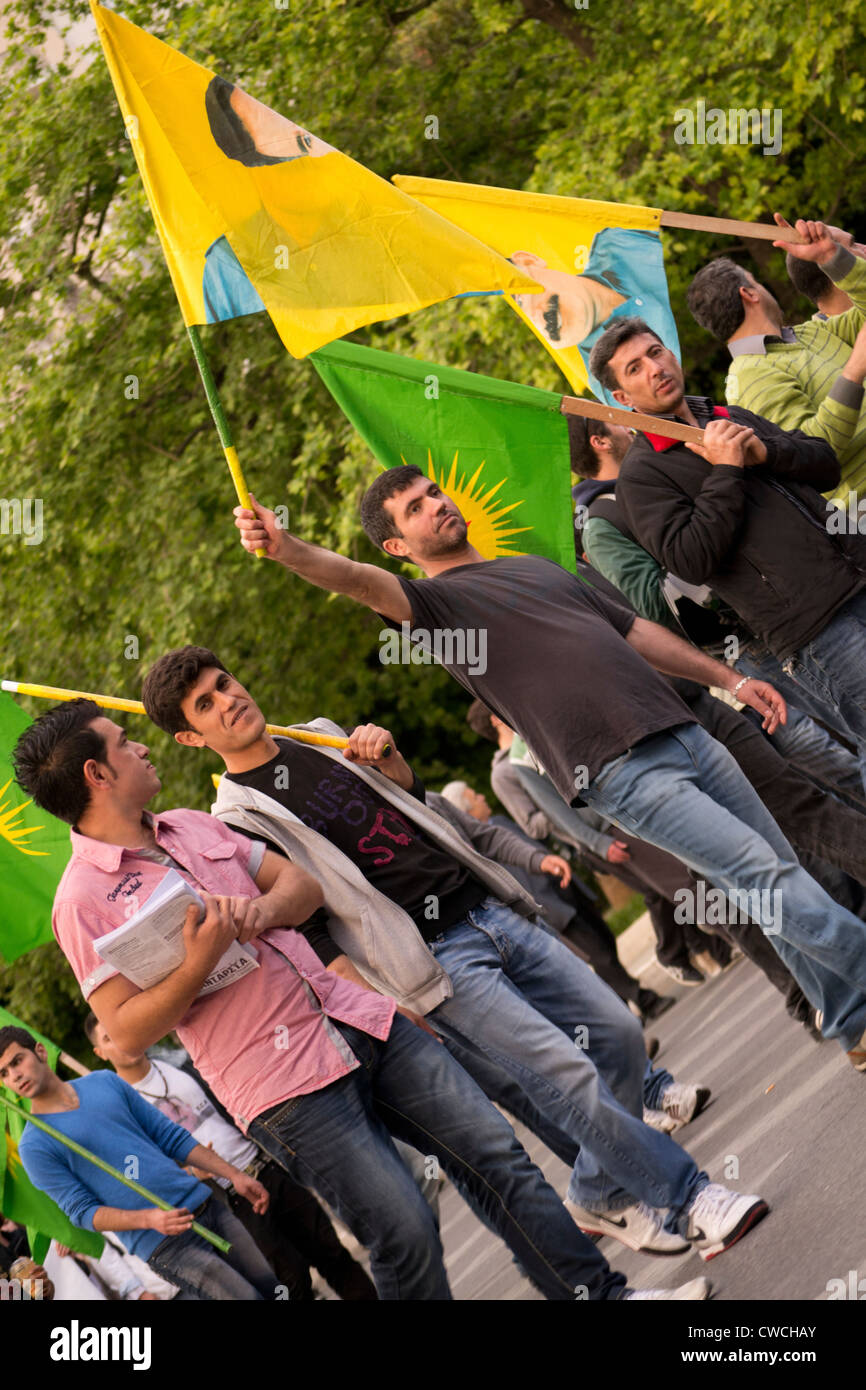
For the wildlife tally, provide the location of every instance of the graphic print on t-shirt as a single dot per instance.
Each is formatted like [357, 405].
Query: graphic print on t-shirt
[392, 853]
[388, 824]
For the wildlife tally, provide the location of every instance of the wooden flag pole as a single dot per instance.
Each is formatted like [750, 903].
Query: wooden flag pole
[632, 419]
[73, 1065]
[54, 692]
[757, 231]
[222, 424]
[79, 1149]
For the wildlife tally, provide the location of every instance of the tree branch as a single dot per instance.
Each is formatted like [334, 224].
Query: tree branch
[568, 25]
[400, 16]
[84, 271]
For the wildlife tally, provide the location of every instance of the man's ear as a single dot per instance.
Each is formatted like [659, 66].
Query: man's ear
[396, 547]
[599, 441]
[96, 774]
[748, 294]
[622, 397]
[190, 739]
[41, 1052]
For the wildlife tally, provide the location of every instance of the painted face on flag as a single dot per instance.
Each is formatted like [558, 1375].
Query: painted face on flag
[572, 305]
[253, 134]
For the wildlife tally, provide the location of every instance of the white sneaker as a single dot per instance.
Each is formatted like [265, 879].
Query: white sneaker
[682, 1103]
[718, 1218]
[657, 1119]
[639, 1227]
[695, 1291]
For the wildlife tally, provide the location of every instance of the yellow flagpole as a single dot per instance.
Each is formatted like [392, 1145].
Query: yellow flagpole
[53, 692]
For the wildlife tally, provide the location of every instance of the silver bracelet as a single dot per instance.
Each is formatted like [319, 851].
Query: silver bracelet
[741, 683]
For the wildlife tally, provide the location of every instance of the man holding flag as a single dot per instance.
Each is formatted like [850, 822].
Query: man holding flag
[607, 730]
[319, 1071]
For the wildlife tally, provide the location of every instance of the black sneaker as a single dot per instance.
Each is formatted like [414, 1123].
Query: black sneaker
[653, 1005]
[685, 974]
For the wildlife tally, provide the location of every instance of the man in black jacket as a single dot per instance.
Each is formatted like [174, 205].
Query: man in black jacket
[742, 513]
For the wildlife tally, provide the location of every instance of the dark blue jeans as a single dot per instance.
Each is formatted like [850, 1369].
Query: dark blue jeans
[682, 791]
[531, 1009]
[204, 1272]
[338, 1141]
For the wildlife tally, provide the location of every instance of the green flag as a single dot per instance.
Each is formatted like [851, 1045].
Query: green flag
[19, 1200]
[34, 850]
[500, 451]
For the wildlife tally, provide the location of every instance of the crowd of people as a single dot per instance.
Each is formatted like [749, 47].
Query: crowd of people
[415, 958]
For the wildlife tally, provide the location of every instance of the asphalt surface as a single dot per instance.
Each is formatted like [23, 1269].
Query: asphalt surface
[787, 1120]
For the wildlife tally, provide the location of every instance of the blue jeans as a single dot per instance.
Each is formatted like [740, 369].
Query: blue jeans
[204, 1272]
[655, 1082]
[803, 742]
[501, 1087]
[832, 668]
[528, 1006]
[682, 791]
[338, 1141]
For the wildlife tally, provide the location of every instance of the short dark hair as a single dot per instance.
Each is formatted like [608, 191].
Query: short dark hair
[12, 1034]
[478, 719]
[49, 758]
[229, 131]
[170, 680]
[376, 521]
[91, 1023]
[619, 332]
[714, 297]
[581, 429]
[808, 278]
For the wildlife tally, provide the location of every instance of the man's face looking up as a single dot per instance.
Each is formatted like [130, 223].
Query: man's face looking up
[429, 523]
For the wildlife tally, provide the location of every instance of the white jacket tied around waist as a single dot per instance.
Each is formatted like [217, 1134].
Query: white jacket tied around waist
[378, 936]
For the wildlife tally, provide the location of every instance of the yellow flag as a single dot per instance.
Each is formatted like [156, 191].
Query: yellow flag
[596, 262]
[254, 212]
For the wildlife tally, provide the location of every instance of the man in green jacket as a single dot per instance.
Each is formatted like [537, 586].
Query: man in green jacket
[809, 377]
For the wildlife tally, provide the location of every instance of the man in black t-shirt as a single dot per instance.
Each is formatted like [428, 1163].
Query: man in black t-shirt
[521, 1000]
[571, 671]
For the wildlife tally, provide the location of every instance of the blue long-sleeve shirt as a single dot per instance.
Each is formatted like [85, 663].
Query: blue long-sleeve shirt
[116, 1124]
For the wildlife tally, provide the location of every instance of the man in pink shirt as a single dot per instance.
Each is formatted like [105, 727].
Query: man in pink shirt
[316, 1069]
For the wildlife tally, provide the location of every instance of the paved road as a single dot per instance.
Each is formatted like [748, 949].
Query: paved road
[788, 1115]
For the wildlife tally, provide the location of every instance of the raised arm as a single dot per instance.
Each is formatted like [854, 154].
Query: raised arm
[673, 656]
[376, 588]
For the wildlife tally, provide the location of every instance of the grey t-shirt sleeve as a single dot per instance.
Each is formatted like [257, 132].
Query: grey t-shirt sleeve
[609, 603]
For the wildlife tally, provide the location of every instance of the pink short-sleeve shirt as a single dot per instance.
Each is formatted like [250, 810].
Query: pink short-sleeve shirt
[267, 1037]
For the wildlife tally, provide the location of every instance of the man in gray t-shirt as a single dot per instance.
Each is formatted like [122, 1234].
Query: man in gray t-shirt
[544, 651]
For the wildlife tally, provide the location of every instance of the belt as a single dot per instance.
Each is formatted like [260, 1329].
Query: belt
[255, 1165]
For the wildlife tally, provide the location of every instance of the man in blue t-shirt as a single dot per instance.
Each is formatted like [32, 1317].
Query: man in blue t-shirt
[106, 1115]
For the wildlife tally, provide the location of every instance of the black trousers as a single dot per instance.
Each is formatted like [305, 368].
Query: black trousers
[295, 1234]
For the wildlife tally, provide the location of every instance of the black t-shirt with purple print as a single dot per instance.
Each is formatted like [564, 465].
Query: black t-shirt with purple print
[392, 853]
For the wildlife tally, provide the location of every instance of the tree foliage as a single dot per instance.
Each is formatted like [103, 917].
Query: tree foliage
[535, 94]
